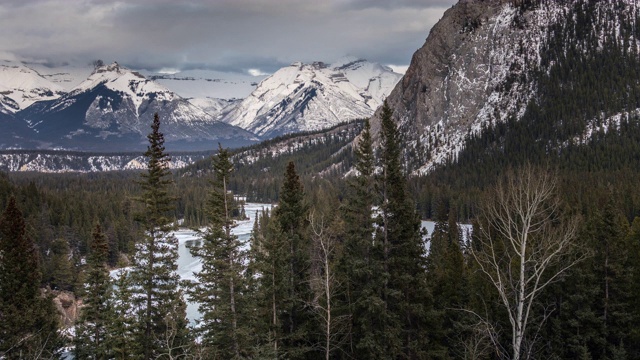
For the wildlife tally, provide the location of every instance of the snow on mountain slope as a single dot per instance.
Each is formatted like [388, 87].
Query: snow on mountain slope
[129, 83]
[215, 107]
[112, 110]
[475, 68]
[374, 78]
[21, 86]
[207, 83]
[66, 76]
[62, 162]
[303, 97]
[213, 91]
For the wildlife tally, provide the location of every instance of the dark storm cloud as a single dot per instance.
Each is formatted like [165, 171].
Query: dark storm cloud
[228, 35]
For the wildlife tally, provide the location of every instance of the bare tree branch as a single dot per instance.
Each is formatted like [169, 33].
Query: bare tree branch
[525, 244]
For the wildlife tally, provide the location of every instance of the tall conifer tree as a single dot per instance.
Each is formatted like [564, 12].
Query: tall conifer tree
[284, 263]
[404, 267]
[291, 216]
[361, 263]
[123, 325]
[158, 301]
[92, 329]
[28, 320]
[270, 260]
[221, 288]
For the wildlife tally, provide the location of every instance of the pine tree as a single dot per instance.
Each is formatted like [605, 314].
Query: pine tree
[282, 260]
[122, 328]
[92, 337]
[28, 320]
[291, 216]
[157, 298]
[405, 293]
[220, 289]
[269, 262]
[360, 263]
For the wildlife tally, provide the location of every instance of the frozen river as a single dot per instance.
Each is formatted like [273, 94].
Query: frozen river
[188, 264]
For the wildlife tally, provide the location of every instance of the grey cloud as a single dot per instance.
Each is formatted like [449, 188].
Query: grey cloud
[226, 35]
[394, 4]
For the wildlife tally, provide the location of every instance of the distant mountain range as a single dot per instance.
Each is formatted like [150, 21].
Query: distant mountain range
[48, 161]
[111, 108]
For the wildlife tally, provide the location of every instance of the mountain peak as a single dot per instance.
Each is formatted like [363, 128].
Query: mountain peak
[113, 67]
[485, 62]
[304, 97]
[22, 86]
[347, 61]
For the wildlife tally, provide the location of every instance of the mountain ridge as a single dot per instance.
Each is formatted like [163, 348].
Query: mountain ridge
[304, 97]
[111, 110]
[486, 62]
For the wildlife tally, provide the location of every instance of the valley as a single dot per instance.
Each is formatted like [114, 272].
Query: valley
[485, 204]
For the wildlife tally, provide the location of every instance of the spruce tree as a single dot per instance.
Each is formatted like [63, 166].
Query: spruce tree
[404, 288]
[28, 320]
[269, 261]
[360, 263]
[92, 337]
[283, 263]
[157, 298]
[220, 290]
[122, 328]
[291, 216]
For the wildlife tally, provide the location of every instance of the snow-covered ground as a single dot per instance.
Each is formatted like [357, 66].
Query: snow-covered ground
[188, 264]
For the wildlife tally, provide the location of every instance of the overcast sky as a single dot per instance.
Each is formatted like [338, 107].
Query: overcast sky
[226, 35]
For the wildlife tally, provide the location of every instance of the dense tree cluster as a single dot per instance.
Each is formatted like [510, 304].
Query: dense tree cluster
[343, 271]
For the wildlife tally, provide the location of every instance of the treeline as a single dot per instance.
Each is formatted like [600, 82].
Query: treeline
[259, 169]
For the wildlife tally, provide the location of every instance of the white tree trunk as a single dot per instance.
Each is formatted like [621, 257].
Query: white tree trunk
[522, 238]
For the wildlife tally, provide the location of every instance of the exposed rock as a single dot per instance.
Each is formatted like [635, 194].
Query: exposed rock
[475, 68]
[68, 307]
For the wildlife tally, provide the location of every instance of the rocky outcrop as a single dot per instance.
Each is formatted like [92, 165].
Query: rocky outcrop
[473, 69]
[68, 307]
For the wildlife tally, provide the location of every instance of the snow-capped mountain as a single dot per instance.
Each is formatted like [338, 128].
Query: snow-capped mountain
[213, 91]
[21, 86]
[66, 76]
[218, 108]
[303, 97]
[113, 108]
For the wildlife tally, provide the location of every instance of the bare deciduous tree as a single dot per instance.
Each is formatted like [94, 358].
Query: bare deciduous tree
[525, 244]
[325, 286]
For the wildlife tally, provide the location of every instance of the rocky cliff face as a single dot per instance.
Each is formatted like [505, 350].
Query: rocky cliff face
[480, 65]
